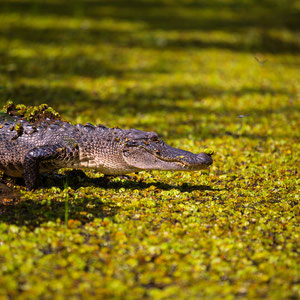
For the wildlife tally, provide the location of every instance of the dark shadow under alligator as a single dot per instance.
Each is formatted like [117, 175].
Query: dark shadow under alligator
[32, 213]
[77, 178]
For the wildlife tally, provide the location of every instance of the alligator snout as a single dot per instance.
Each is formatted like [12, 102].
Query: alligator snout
[205, 159]
[195, 162]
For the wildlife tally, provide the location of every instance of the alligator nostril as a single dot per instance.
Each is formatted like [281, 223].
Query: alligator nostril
[209, 152]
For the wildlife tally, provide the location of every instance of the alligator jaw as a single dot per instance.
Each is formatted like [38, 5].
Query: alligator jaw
[200, 161]
[171, 159]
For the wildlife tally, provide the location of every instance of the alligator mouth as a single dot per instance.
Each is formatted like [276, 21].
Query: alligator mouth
[183, 160]
[178, 160]
[168, 159]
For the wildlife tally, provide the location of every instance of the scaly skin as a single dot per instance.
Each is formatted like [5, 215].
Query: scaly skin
[26, 150]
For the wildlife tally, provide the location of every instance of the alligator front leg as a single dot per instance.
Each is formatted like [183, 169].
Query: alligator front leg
[36, 156]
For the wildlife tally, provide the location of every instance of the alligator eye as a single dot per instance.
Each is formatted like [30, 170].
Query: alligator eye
[155, 139]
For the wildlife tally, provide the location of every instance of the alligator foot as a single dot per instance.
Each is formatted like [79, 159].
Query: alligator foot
[41, 155]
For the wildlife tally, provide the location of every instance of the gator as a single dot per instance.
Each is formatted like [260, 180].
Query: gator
[30, 148]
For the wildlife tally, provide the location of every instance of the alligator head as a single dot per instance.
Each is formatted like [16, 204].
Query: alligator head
[147, 151]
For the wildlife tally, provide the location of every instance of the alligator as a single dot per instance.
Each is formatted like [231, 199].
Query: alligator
[30, 148]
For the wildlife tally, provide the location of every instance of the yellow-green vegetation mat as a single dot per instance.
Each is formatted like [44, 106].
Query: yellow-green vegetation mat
[216, 74]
